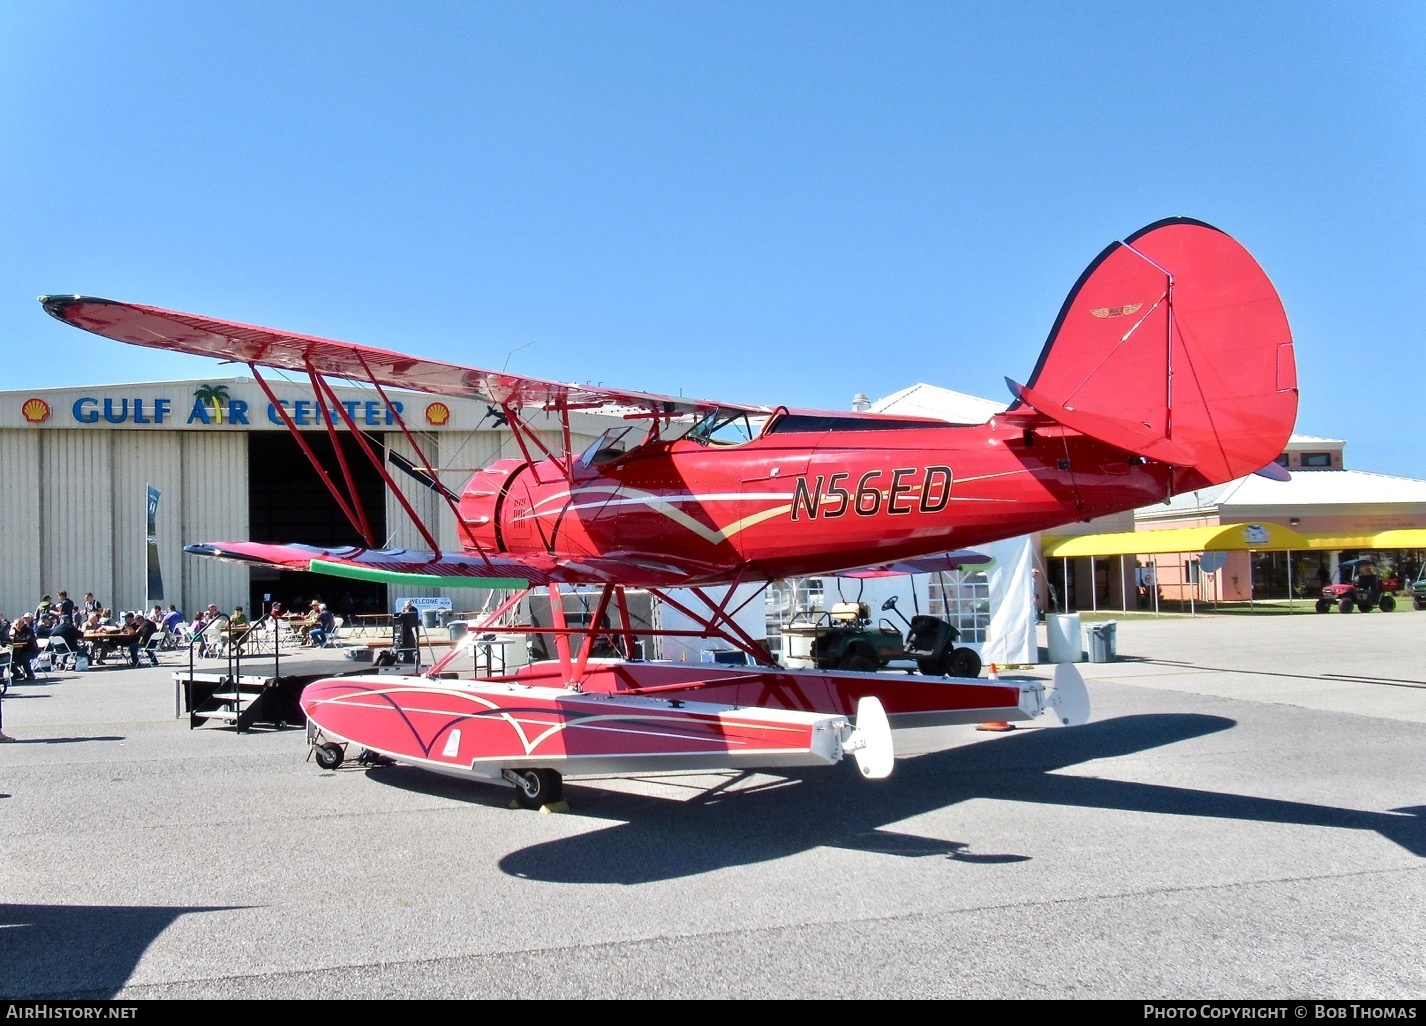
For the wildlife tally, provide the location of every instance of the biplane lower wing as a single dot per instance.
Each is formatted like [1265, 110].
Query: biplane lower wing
[468, 570]
[449, 569]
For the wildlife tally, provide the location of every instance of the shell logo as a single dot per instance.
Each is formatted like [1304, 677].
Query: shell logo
[36, 410]
[438, 414]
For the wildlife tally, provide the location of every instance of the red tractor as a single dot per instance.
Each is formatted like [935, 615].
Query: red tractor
[1366, 592]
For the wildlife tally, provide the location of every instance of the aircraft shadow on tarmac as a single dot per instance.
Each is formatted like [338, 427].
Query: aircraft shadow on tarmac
[74, 740]
[664, 838]
[77, 952]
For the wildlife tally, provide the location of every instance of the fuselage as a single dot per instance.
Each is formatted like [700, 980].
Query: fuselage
[793, 503]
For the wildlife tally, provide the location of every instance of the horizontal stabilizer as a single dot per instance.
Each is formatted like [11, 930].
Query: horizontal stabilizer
[1135, 438]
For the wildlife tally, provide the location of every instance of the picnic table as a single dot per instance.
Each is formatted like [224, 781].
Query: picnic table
[367, 623]
[104, 642]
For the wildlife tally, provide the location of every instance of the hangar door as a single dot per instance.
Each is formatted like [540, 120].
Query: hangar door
[288, 502]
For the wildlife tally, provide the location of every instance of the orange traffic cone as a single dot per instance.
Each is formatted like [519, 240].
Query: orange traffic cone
[1000, 726]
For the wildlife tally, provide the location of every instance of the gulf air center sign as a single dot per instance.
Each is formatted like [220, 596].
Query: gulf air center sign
[220, 405]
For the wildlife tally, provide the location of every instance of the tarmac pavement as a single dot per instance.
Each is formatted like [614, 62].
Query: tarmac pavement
[1241, 819]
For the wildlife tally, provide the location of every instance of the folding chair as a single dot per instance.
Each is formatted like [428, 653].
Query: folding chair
[330, 641]
[6, 655]
[215, 638]
[44, 662]
[152, 646]
[61, 656]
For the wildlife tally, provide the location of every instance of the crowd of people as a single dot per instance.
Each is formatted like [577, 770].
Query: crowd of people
[89, 631]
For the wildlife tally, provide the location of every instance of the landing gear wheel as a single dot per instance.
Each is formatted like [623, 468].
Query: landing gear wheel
[965, 663]
[936, 666]
[536, 787]
[1346, 605]
[859, 661]
[1388, 603]
[1324, 605]
[329, 755]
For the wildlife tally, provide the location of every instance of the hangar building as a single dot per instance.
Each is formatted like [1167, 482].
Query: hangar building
[80, 462]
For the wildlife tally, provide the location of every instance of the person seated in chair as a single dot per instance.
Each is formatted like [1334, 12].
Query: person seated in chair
[23, 648]
[320, 631]
[69, 632]
[147, 628]
[238, 624]
[131, 629]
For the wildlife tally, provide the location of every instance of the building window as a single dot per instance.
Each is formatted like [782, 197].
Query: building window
[962, 598]
[1317, 459]
[1282, 460]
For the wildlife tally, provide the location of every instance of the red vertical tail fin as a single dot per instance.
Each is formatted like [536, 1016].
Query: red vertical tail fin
[1173, 345]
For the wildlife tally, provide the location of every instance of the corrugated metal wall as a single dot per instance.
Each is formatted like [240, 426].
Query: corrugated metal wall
[212, 496]
[74, 510]
[20, 504]
[80, 523]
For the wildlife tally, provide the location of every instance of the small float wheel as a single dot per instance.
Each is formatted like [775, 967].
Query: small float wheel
[329, 755]
[537, 787]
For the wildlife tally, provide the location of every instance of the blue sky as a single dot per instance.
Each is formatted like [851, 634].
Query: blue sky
[766, 202]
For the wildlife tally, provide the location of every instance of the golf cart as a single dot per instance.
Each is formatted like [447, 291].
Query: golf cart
[1366, 591]
[844, 638]
[932, 643]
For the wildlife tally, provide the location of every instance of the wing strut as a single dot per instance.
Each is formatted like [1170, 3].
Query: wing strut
[522, 433]
[324, 390]
[350, 503]
[354, 517]
[444, 492]
[325, 395]
[720, 622]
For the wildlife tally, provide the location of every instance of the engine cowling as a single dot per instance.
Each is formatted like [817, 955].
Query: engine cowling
[482, 503]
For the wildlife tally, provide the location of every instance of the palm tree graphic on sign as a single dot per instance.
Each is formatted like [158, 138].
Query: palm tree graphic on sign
[215, 397]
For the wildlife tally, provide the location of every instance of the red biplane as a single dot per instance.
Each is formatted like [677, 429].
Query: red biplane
[1169, 368]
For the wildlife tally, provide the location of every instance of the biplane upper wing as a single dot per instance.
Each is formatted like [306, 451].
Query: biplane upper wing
[449, 569]
[230, 341]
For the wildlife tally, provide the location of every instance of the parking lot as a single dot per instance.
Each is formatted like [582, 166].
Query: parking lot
[1242, 818]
